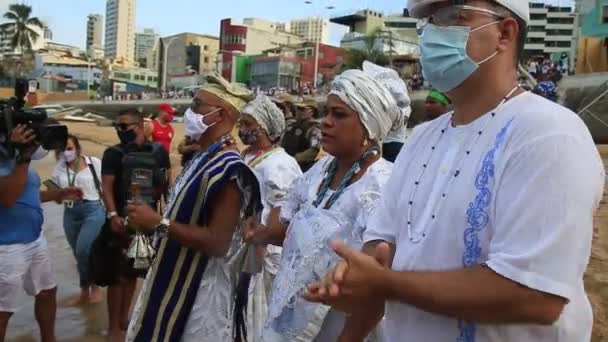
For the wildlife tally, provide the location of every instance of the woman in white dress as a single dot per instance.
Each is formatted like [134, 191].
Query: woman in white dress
[260, 127]
[333, 200]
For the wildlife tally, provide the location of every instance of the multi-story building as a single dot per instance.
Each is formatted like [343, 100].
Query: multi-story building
[252, 37]
[47, 33]
[394, 34]
[6, 38]
[145, 42]
[402, 24]
[120, 30]
[310, 29]
[94, 45]
[552, 31]
[187, 54]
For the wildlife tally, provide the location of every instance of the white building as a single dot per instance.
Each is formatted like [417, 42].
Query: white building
[310, 29]
[94, 44]
[120, 30]
[7, 36]
[390, 43]
[47, 33]
[552, 30]
[145, 42]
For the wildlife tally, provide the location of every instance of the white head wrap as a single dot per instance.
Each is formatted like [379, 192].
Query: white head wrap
[396, 86]
[370, 97]
[267, 115]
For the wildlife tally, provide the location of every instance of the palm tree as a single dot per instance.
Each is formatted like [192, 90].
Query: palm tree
[356, 57]
[22, 26]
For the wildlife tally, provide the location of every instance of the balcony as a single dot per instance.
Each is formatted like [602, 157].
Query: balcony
[560, 26]
[537, 34]
[538, 22]
[535, 46]
[561, 38]
[560, 15]
[556, 49]
[541, 10]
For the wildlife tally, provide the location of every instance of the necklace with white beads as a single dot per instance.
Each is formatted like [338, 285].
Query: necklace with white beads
[417, 237]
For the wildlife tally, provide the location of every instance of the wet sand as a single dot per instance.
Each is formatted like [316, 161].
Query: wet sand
[88, 323]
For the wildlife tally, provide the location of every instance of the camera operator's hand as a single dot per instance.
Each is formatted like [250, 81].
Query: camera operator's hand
[22, 139]
[21, 135]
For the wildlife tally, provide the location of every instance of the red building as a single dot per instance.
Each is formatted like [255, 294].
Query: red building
[331, 59]
[233, 39]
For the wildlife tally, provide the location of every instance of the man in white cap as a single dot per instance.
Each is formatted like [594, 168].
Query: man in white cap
[487, 219]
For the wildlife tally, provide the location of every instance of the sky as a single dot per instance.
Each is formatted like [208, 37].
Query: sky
[67, 18]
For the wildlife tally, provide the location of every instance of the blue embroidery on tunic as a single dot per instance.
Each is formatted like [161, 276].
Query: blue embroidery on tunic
[477, 220]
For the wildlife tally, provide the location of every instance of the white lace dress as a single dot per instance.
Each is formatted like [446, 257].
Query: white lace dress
[275, 173]
[307, 256]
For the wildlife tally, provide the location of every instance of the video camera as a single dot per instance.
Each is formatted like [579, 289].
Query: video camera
[49, 134]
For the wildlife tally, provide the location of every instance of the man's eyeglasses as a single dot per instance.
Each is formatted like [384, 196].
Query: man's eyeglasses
[123, 126]
[455, 15]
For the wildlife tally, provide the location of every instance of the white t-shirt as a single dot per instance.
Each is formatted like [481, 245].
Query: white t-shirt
[84, 178]
[522, 203]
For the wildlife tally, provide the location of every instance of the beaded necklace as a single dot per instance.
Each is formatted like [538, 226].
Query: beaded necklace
[416, 239]
[184, 176]
[329, 176]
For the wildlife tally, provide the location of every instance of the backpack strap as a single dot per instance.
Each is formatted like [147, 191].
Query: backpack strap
[95, 179]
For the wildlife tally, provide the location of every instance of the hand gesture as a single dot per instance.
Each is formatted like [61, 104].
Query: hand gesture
[354, 280]
[118, 226]
[143, 216]
[71, 193]
[253, 232]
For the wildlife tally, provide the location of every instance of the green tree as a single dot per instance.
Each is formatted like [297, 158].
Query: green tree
[355, 57]
[22, 26]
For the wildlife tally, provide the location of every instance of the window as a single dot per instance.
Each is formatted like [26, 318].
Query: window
[537, 16]
[206, 47]
[604, 19]
[206, 60]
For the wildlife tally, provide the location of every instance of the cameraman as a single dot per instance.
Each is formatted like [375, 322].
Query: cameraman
[24, 257]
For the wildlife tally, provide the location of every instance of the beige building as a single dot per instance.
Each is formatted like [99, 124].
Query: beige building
[263, 35]
[310, 29]
[145, 42]
[120, 30]
[188, 54]
[94, 31]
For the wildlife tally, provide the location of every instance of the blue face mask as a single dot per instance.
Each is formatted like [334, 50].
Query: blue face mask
[445, 62]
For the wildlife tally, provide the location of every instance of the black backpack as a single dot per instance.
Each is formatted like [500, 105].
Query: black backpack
[143, 178]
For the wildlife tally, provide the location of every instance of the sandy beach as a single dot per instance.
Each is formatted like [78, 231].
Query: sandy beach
[89, 323]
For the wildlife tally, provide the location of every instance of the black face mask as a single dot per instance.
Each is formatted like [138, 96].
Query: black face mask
[248, 137]
[127, 136]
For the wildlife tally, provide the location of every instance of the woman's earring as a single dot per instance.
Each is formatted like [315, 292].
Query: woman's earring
[365, 142]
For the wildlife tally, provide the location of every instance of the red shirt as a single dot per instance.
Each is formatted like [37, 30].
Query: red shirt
[162, 134]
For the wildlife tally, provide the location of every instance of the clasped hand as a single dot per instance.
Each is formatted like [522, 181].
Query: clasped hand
[355, 282]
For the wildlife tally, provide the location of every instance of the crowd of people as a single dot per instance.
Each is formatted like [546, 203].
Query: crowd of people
[477, 226]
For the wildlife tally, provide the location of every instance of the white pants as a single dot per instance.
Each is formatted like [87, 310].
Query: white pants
[24, 268]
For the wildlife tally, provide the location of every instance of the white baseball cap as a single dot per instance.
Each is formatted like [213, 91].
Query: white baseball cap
[421, 8]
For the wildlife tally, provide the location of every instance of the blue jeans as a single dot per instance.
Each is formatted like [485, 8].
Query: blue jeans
[82, 224]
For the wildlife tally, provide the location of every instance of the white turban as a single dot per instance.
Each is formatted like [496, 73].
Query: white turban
[267, 115]
[396, 86]
[369, 96]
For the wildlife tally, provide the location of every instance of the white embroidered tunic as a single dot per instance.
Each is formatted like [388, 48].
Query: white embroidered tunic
[307, 255]
[522, 203]
[275, 172]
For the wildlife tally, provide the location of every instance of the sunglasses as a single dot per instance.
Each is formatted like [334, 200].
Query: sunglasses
[124, 125]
